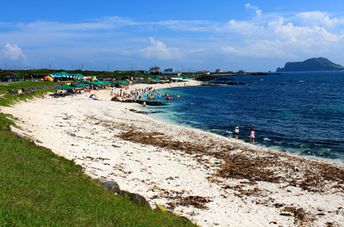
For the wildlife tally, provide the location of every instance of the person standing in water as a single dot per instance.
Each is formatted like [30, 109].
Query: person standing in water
[252, 136]
[236, 132]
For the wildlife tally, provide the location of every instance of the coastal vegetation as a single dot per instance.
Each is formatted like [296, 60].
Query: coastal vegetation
[37, 74]
[39, 188]
[13, 92]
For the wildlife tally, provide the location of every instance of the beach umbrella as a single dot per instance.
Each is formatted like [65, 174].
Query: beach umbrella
[64, 87]
[97, 83]
[121, 82]
[79, 86]
[48, 78]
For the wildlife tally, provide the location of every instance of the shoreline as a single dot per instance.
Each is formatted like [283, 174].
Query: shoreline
[277, 149]
[208, 178]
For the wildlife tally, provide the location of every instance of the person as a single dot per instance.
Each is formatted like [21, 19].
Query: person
[236, 132]
[252, 136]
[144, 104]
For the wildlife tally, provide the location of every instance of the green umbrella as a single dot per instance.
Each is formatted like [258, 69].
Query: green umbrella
[64, 87]
[122, 82]
[79, 86]
[106, 82]
[97, 83]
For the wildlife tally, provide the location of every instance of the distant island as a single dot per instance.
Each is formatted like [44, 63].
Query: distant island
[312, 64]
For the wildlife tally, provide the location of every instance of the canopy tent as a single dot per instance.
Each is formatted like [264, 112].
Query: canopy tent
[78, 76]
[177, 79]
[59, 75]
[79, 85]
[121, 82]
[64, 75]
[106, 82]
[65, 87]
[97, 83]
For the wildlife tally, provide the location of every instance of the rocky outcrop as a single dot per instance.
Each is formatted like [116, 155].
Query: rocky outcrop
[312, 64]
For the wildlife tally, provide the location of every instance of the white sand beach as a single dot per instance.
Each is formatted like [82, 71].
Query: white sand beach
[210, 179]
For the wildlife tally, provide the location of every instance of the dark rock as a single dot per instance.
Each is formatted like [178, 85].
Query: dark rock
[138, 199]
[205, 78]
[286, 214]
[278, 205]
[111, 186]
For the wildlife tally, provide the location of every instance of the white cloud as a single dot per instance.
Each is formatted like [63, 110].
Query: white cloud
[317, 18]
[105, 23]
[13, 52]
[255, 8]
[260, 49]
[273, 35]
[302, 33]
[186, 25]
[111, 23]
[246, 28]
[159, 50]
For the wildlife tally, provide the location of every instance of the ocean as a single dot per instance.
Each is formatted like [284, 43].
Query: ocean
[301, 113]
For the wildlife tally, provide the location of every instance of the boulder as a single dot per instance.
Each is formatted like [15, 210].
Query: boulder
[136, 198]
[111, 186]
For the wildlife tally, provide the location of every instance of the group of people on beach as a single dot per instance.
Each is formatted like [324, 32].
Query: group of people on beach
[252, 135]
[124, 93]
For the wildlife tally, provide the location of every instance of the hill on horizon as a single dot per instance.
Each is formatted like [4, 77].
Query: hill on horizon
[312, 64]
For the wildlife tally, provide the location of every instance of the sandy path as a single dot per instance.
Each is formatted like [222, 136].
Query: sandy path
[110, 142]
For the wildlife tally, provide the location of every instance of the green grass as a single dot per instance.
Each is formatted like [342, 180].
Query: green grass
[4, 87]
[38, 188]
[7, 99]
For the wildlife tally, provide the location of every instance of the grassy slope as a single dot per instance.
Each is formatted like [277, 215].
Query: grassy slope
[38, 188]
[7, 99]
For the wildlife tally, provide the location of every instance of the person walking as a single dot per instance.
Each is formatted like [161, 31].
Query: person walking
[236, 132]
[252, 136]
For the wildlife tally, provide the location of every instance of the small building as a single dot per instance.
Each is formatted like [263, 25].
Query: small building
[154, 70]
[218, 71]
[169, 70]
[9, 77]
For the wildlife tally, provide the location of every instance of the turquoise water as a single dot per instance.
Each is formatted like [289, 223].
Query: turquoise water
[297, 112]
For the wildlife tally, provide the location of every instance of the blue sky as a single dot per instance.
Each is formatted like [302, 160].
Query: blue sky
[185, 35]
